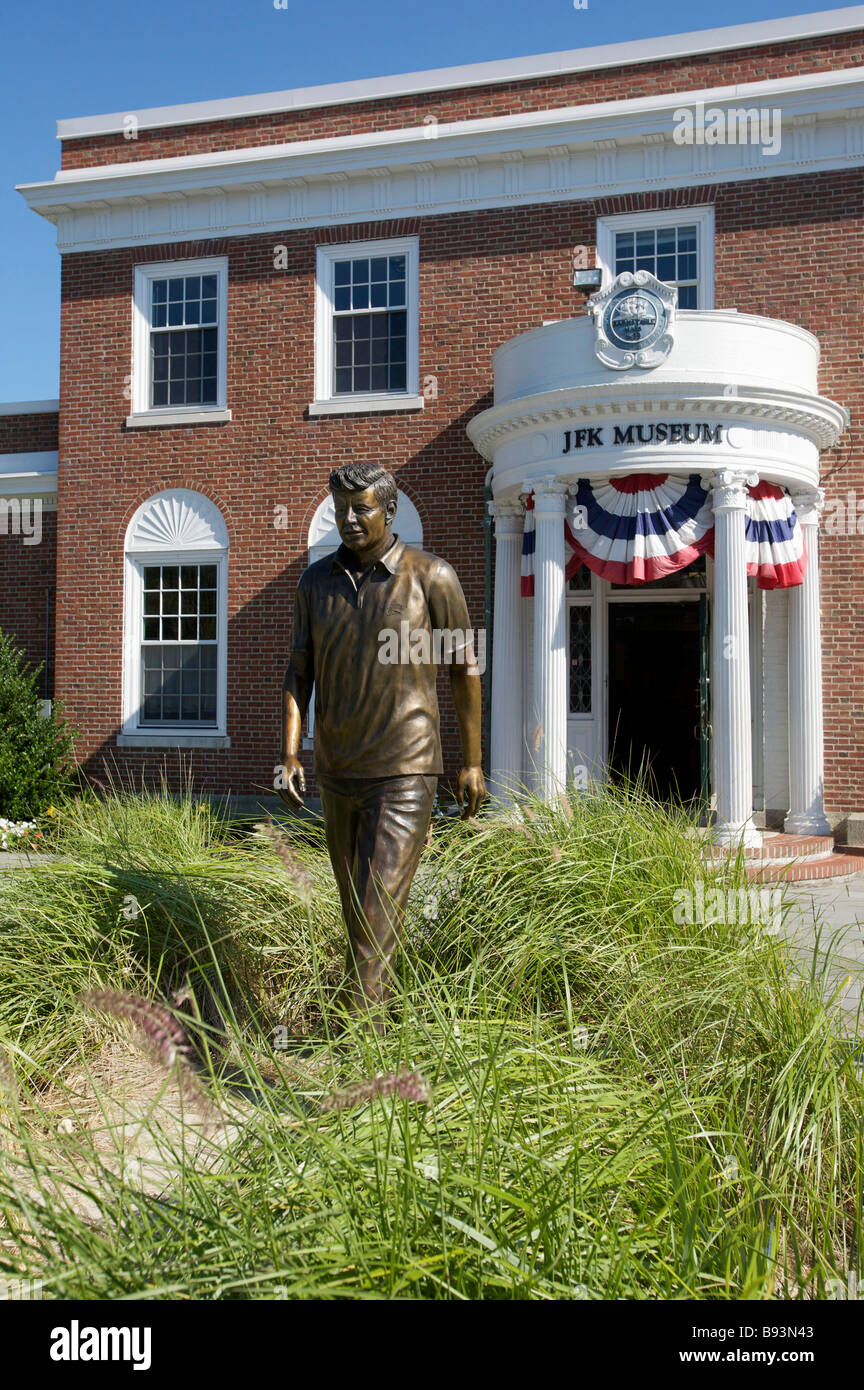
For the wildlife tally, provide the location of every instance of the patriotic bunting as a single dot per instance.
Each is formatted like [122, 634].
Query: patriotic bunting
[774, 541]
[643, 527]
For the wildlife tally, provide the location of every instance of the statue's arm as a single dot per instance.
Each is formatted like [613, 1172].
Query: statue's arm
[465, 687]
[296, 693]
[448, 610]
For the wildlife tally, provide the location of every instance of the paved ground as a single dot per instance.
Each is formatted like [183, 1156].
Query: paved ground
[837, 907]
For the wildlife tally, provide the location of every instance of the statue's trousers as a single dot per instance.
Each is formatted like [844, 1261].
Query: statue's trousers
[376, 831]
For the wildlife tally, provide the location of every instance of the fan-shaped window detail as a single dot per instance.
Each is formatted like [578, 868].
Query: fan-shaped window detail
[175, 622]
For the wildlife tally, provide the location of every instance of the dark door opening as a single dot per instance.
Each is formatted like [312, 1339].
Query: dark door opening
[654, 690]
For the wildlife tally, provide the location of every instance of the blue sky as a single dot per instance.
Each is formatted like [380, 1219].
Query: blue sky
[79, 59]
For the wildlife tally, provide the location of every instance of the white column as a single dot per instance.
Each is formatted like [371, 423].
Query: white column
[730, 664]
[549, 738]
[507, 657]
[806, 754]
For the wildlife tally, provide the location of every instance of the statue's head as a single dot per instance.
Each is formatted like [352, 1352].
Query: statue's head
[364, 499]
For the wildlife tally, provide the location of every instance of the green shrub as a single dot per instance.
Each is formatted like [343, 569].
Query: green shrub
[36, 752]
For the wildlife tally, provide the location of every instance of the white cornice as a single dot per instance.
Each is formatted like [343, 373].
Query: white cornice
[29, 407]
[526, 69]
[819, 419]
[597, 149]
[29, 475]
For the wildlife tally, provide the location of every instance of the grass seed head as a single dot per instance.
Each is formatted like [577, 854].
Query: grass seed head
[158, 1033]
[408, 1085]
[293, 867]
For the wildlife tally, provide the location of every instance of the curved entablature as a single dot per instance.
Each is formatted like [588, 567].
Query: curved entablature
[735, 390]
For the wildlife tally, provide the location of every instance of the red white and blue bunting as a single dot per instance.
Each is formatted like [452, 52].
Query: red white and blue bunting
[773, 539]
[643, 527]
[648, 525]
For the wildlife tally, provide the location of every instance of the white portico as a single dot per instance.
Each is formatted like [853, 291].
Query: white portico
[730, 402]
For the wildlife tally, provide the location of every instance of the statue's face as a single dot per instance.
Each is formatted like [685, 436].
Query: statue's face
[361, 520]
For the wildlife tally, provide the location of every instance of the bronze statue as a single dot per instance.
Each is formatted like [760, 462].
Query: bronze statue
[367, 623]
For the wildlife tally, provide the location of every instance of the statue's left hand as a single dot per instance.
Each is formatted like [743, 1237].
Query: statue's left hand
[470, 791]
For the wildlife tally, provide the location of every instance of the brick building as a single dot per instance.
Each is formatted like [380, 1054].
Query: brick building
[257, 290]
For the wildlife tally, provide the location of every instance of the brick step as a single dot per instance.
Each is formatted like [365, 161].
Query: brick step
[808, 869]
[777, 846]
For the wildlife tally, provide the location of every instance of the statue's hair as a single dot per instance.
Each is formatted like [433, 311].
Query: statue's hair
[356, 477]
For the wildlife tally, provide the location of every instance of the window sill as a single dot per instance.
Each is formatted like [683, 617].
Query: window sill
[182, 739]
[149, 419]
[356, 405]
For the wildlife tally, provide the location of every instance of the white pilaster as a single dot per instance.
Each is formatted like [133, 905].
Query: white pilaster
[806, 753]
[730, 665]
[506, 749]
[549, 741]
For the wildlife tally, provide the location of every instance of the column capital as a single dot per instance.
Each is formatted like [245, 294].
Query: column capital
[728, 488]
[509, 517]
[550, 496]
[808, 502]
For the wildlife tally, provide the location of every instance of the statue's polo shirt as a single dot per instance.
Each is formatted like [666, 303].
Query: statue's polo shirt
[377, 718]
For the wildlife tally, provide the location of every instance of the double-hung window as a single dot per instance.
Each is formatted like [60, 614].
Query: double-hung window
[366, 329]
[179, 645]
[179, 341]
[175, 623]
[676, 245]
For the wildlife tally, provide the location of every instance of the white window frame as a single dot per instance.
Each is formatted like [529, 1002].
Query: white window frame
[326, 402]
[703, 218]
[143, 414]
[207, 551]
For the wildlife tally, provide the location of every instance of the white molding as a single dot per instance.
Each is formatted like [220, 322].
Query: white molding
[176, 520]
[193, 415]
[193, 521]
[29, 407]
[372, 404]
[129, 204]
[182, 739]
[326, 403]
[773, 31]
[157, 270]
[701, 214]
[30, 475]
[36, 464]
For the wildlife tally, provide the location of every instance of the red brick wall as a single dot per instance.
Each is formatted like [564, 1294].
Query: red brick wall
[28, 434]
[27, 578]
[788, 248]
[27, 572]
[501, 99]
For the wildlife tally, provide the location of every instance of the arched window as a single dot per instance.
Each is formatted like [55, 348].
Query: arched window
[175, 623]
[324, 539]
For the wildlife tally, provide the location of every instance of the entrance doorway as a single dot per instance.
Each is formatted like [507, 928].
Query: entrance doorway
[654, 696]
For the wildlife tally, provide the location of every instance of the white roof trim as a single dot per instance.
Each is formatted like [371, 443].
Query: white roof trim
[476, 74]
[594, 150]
[28, 475]
[185, 174]
[28, 407]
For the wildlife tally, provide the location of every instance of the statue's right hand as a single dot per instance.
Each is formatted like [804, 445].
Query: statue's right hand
[292, 781]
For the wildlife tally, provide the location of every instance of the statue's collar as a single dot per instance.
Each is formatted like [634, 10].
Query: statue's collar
[344, 558]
